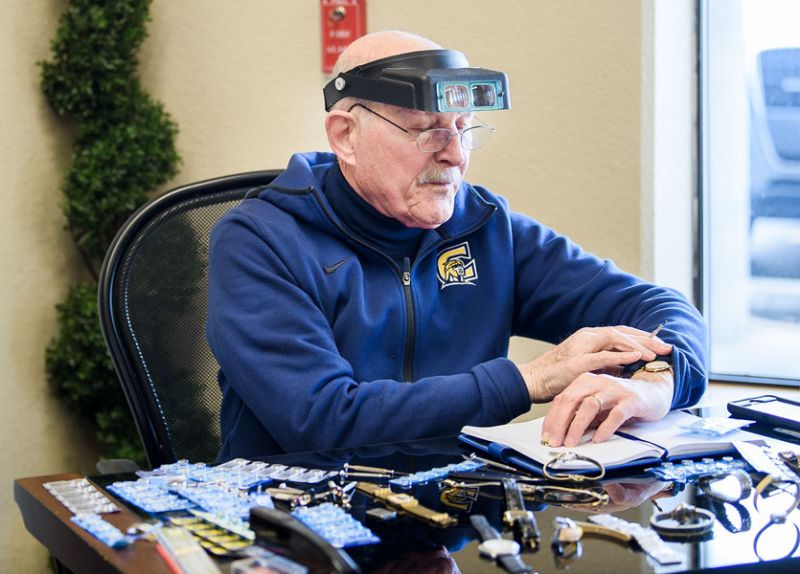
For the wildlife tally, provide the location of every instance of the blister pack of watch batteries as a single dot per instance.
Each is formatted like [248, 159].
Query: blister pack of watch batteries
[104, 531]
[335, 525]
[80, 496]
[87, 503]
[436, 473]
[231, 488]
[218, 536]
[766, 460]
[237, 473]
[689, 470]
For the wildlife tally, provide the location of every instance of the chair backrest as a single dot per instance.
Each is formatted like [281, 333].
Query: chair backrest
[153, 306]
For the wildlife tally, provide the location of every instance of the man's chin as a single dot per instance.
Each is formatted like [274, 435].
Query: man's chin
[429, 220]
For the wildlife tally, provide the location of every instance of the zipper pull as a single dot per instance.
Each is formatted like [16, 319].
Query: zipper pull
[406, 272]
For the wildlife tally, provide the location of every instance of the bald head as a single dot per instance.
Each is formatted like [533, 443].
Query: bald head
[384, 166]
[380, 45]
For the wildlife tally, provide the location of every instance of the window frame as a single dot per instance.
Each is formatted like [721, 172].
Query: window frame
[702, 279]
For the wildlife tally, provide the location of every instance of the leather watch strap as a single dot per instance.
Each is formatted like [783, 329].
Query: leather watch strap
[511, 562]
[514, 564]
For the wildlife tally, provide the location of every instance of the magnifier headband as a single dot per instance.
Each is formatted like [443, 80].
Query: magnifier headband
[429, 81]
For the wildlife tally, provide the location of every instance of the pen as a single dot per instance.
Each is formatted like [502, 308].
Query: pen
[657, 330]
[492, 463]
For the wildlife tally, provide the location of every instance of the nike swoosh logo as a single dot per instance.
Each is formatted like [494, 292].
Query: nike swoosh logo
[332, 268]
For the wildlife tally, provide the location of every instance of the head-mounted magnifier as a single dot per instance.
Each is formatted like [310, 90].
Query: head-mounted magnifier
[429, 81]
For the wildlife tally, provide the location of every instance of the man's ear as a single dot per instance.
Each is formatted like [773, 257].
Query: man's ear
[341, 129]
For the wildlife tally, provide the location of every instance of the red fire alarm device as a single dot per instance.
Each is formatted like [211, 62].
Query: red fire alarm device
[342, 22]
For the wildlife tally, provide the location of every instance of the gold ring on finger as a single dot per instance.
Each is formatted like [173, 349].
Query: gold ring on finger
[599, 402]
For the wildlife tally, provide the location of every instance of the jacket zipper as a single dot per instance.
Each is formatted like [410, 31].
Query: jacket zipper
[410, 322]
[405, 278]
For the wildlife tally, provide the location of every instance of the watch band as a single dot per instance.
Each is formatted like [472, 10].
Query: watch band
[514, 564]
[720, 510]
[600, 530]
[406, 503]
[521, 520]
[646, 538]
[506, 555]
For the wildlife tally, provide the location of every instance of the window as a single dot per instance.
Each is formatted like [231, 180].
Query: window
[750, 181]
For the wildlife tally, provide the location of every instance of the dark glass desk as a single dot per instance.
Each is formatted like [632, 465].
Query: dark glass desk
[411, 546]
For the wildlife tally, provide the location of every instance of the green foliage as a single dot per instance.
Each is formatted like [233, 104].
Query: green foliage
[94, 59]
[125, 147]
[113, 166]
[80, 371]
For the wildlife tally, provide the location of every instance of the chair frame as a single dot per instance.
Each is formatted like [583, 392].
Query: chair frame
[140, 395]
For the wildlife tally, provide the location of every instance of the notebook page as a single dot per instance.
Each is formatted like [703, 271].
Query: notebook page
[525, 438]
[668, 433]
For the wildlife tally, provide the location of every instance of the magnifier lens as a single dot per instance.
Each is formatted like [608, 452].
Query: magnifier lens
[484, 95]
[456, 96]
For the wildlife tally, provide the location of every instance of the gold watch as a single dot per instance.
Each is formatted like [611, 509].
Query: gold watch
[657, 366]
[661, 364]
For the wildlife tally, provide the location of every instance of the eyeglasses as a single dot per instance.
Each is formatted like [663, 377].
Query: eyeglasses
[436, 139]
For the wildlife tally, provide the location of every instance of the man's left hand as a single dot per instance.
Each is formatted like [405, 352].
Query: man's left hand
[607, 402]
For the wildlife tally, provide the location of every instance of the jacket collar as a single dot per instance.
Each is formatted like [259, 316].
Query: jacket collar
[306, 172]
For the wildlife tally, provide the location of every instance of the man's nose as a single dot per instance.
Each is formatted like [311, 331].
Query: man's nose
[453, 153]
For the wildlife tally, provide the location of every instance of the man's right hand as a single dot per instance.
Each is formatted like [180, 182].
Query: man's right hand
[578, 369]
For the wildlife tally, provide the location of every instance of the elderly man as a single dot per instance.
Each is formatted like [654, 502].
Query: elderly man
[368, 295]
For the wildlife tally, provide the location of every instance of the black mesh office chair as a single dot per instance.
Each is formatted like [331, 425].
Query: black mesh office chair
[153, 307]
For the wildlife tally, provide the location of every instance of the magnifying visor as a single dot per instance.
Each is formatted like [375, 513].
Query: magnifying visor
[429, 81]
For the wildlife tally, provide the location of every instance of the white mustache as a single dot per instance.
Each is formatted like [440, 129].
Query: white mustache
[451, 175]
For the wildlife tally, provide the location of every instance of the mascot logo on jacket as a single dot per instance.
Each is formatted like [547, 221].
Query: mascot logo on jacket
[455, 266]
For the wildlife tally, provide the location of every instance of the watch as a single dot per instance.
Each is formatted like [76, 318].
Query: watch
[684, 521]
[518, 518]
[661, 364]
[406, 503]
[495, 547]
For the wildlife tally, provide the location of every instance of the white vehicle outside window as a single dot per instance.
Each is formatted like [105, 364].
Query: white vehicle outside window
[750, 173]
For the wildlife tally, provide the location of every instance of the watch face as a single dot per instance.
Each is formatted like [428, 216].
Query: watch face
[656, 366]
[497, 547]
[401, 498]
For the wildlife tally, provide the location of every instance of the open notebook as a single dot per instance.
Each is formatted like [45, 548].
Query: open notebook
[633, 445]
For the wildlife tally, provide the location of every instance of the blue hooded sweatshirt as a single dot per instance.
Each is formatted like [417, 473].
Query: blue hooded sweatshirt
[326, 339]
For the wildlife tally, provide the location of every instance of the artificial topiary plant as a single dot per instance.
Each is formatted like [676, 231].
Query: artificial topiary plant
[124, 148]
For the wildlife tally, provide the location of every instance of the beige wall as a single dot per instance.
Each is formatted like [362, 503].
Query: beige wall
[37, 435]
[245, 88]
[243, 82]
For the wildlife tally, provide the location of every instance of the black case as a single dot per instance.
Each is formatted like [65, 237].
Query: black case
[768, 410]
